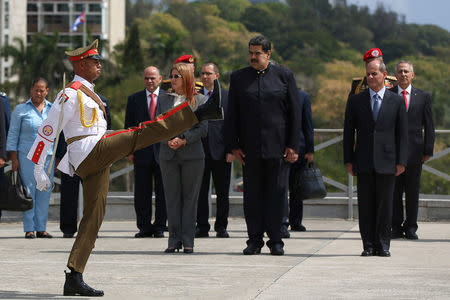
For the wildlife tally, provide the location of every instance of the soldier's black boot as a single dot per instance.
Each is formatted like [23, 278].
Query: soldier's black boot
[75, 286]
[212, 109]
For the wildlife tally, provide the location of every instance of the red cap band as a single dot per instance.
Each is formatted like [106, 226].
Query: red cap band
[84, 55]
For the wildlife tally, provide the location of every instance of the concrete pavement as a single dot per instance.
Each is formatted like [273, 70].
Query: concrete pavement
[322, 263]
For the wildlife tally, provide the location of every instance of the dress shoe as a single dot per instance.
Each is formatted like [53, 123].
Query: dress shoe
[277, 249]
[252, 250]
[188, 250]
[29, 235]
[43, 235]
[384, 253]
[222, 234]
[410, 235]
[201, 234]
[176, 248]
[285, 232]
[158, 234]
[142, 234]
[396, 234]
[68, 235]
[212, 109]
[75, 285]
[298, 228]
[368, 252]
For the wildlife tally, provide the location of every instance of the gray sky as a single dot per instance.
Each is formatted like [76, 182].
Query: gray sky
[435, 12]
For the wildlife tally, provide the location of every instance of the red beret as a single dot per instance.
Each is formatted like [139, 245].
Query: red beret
[188, 59]
[372, 53]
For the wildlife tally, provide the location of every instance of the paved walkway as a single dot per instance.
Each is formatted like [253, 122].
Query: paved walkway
[322, 263]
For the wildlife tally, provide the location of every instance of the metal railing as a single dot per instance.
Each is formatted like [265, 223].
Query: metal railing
[347, 188]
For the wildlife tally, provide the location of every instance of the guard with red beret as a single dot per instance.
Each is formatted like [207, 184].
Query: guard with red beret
[359, 84]
[185, 59]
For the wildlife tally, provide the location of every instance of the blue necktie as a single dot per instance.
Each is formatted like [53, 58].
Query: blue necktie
[376, 106]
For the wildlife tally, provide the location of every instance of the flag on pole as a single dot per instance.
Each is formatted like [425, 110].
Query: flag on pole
[78, 21]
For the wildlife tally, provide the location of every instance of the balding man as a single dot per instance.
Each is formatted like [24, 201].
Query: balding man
[141, 107]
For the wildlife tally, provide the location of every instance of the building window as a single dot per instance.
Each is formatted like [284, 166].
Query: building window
[56, 23]
[6, 43]
[6, 72]
[95, 8]
[6, 7]
[32, 7]
[6, 21]
[63, 7]
[47, 7]
[32, 23]
[94, 19]
[79, 7]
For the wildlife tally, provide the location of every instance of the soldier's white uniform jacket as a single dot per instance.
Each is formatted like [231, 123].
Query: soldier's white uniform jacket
[80, 118]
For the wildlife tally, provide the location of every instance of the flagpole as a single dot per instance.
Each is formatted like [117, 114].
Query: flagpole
[84, 26]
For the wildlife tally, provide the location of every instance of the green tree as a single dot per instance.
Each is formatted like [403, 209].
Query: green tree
[132, 59]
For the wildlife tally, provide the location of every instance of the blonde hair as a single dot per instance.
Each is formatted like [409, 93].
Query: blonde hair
[187, 76]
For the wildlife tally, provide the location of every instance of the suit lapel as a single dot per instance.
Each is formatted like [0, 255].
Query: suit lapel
[412, 98]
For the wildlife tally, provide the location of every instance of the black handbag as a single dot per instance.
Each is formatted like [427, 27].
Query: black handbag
[13, 194]
[306, 182]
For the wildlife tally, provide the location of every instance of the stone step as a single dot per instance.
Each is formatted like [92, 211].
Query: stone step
[120, 207]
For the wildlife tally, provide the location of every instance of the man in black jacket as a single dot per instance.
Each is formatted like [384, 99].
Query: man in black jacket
[217, 163]
[141, 107]
[264, 124]
[378, 117]
[420, 149]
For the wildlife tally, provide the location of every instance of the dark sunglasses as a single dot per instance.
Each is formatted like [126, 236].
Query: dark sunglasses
[175, 76]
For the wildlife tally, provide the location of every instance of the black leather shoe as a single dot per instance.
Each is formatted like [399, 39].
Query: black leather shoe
[176, 248]
[68, 235]
[222, 234]
[142, 234]
[384, 253]
[277, 249]
[410, 235]
[368, 252]
[298, 227]
[30, 235]
[252, 250]
[158, 234]
[75, 285]
[396, 234]
[43, 235]
[201, 234]
[212, 109]
[188, 250]
[285, 232]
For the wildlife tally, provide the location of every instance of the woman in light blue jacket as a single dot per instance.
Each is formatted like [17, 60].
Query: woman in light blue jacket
[25, 122]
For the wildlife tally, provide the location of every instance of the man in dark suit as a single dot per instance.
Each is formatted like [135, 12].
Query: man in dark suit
[70, 185]
[420, 149]
[217, 164]
[6, 116]
[306, 155]
[379, 119]
[141, 107]
[264, 123]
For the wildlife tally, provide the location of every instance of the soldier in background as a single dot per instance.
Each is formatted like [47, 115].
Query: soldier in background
[187, 59]
[359, 84]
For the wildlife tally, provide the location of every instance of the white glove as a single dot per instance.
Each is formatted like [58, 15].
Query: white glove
[42, 180]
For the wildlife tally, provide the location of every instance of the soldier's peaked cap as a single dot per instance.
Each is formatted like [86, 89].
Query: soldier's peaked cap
[90, 51]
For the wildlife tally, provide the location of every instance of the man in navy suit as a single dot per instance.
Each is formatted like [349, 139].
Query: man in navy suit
[5, 116]
[379, 153]
[217, 164]
[420, 149]
[263, 126]
[141, 107]
[306, 155]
